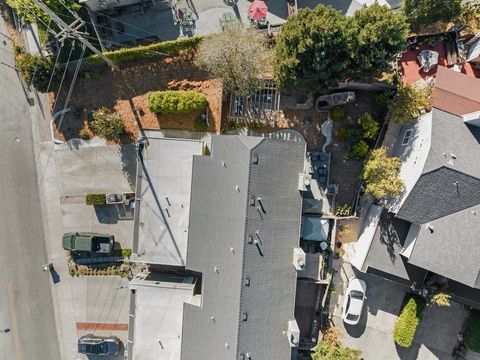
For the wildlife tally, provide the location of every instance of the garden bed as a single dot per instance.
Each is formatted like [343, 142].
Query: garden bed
[126, 91]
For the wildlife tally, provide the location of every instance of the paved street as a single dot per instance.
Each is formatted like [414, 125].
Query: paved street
[25, 300]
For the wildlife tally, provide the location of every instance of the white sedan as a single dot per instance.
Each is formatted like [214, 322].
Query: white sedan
[354, 300]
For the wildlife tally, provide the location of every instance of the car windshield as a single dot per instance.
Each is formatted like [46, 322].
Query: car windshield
[356, 295]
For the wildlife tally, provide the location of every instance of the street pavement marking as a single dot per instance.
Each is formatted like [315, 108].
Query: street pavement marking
[11, 300]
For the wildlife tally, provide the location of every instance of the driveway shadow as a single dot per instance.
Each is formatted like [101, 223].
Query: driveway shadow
[356, 331]
[106, 214]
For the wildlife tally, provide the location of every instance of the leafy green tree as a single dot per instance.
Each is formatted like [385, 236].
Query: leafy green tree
[421, 13]
[376, 35]
[237, 55]
[409, 103]
[26, 8]
[330, 348]
[36, 70]
[369, 126]
[382, 174]
[311, 52]
[176, 101]
[360, 150]
[107, 124]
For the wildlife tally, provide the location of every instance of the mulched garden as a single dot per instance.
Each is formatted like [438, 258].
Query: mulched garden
[125, 91]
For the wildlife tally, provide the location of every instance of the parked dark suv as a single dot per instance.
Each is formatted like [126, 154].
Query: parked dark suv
[85, 242]
[98, 345]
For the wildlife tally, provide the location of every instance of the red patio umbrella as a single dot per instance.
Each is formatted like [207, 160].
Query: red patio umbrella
[257, 10]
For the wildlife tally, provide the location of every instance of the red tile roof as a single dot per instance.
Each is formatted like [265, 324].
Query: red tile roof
[455, 92]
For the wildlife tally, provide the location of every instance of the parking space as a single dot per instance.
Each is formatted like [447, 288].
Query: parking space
[85, 304]
[435, 338]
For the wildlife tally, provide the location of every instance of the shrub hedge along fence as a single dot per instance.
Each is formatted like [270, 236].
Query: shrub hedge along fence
[172, 101]
[472, 332]
[407, 322]
[147, 52]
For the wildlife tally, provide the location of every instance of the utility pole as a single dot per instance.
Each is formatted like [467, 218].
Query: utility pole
[71, 31]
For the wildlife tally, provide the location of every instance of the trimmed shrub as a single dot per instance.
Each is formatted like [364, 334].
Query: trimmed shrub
[148, 52]
[360, 150]
[337, 113]
[370, 127]
[96, 199]
[36, 70]
[172, 101]
[107, 124]
[407, 322]
[472, 332]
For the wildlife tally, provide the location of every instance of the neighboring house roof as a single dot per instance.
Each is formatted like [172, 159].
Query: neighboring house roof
[439, 193]
[225, 217]
[452, 156]
[449, 246]
[455, 92]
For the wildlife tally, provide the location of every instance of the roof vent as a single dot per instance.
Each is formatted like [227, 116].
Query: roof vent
[242, 356]
[474, 212]
[250, 239]
[212, 318]
[215, 269]
[227, 345]
[224, 164]
[453, 156]
[237, 188]
[252, 200]
[445, 155]
[244, 316]
[255, 159]
[232, 250]
[430, 228]
[247, 281]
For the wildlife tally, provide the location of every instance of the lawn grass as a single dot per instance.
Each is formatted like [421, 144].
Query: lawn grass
[472, 332]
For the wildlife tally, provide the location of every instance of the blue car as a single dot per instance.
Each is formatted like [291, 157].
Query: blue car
[98, 345]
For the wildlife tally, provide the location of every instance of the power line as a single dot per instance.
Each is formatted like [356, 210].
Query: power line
[124, 23]
[71, 31]
[63, 76]
[55, 66]
[74, 79]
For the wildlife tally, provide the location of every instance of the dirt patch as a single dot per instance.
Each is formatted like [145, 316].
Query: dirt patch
[125, 90]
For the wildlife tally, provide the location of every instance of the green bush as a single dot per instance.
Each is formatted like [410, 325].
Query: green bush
[337, 113]
[200, 124]
[472, 332]
[353, 135]
[370, 127]
[126, 252]
[96, 199]
[107, 124]
[343, 210]
[171, 101]
[360, 150]
[148, 52]
[84, 134]
[407, 322]
[36, 70]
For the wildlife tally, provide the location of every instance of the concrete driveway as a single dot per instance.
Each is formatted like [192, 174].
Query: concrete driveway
[435, 338]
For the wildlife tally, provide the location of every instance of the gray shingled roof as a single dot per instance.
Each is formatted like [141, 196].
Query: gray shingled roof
[222, 220]
[435, 193]
[439, 193]
[452, 248]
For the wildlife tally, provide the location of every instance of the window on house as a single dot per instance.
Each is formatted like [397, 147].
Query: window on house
[407, 136]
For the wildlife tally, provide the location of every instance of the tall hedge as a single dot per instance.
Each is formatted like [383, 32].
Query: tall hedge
[171, 101]
[407, 322]
[149, 51]
[36, 70]
[472, 332]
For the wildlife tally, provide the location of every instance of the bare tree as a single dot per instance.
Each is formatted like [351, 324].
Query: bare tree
[238, 56]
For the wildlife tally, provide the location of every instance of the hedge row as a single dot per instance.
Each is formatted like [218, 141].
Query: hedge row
[96, 199]
[407, 322]
[172, 102]
[147, 52]
[472, 332]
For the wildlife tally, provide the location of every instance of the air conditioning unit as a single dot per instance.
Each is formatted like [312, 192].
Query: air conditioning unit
[293, 333]
[299, 258]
